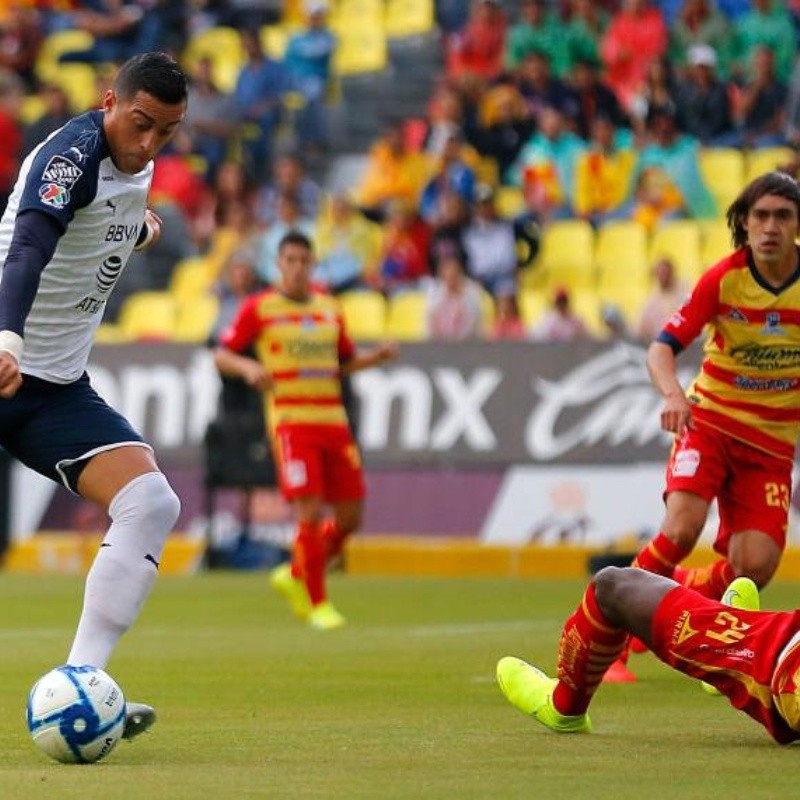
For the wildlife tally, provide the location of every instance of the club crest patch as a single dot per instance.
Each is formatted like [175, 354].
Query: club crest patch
[61, 170]
[51, 194]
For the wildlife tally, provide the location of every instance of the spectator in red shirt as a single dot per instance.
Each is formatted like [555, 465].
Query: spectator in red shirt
[11, 93]
[636, 36]
[478, 49]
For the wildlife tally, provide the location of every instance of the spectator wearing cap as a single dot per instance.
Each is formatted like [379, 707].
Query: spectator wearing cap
[699, 22]
[452, 303]
[560, 323]
[477, 49]
[538, 30]
[491, 246]
[308, 63]
[759, 105]
[702, 100]
[636, 36]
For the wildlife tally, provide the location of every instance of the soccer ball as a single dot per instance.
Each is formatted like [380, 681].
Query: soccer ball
[76, 714]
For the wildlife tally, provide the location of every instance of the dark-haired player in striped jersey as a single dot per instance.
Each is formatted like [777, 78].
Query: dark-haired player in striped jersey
[737, 425]
[77, 211]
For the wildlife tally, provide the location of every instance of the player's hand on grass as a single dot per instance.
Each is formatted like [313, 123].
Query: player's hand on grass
[10, 376]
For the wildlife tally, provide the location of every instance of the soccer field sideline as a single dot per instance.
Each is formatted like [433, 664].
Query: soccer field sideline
[399, 704]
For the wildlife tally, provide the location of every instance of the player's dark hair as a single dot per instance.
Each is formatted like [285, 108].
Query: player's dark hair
[157, 74]
[778, 183]
[295, 237]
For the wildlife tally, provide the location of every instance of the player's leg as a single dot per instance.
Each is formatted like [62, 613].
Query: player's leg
[344, 481]
[616, 603]
[143, 510]
[336, 529]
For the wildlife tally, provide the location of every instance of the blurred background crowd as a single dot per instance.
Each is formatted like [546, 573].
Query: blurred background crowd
[515, 169]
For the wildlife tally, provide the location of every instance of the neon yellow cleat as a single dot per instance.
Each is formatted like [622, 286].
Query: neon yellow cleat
[741, 593]
[324, 617]
[293, 589]
[530, 690]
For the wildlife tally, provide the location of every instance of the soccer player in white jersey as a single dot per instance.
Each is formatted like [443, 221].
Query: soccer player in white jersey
[77, 211]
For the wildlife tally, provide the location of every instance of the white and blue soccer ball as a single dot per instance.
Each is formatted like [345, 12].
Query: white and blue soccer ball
[76, 715]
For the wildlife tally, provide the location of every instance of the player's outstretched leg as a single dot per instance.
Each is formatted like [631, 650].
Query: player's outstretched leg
[531, 691]
[293, 589]
[741, 593]
[138, 718]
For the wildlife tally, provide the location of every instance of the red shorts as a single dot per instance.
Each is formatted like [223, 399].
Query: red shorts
[318, 460]
[735, 650]
[752, 487]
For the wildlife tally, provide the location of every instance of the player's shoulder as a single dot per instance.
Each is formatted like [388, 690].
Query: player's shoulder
[78, 144]
[733, 262]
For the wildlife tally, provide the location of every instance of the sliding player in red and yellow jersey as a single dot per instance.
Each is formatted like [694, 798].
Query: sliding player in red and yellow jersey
[302, 352]
[736, 426]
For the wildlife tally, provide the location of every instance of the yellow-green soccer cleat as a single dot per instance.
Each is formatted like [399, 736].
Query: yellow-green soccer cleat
[324, 617]
[530, 690]
[741, 593]
[293, 589]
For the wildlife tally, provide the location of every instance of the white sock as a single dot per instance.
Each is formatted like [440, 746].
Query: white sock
[142, 514]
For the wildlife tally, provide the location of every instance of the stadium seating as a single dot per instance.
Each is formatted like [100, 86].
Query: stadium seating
[567, 255]
[195, 318]
[679, 241]
[408, 17]
[509, 201]
[716, 242]
[405, 319]
[362, 47]
[79, 81]
[723, 170]
[621, 254]
[191, 278]
[224, 47]
[587, 305]
[532, 304]
[274, 39]
[765, 160]
[364, 314]
[149, 315]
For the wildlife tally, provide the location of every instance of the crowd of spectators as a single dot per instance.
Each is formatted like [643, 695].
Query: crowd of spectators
[585, 110]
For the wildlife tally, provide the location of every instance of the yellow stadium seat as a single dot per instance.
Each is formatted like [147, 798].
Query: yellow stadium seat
[487, 311]
[766, 159]
[148, 315]
[274, 39]
[361, 48]
[567, 254]
[723, 170]
[223, 46]
[346, 13]
[587, 305]
[716, 242]
[408, 17]
[108, 333]
[32, 109]
[628, 298]
[53, 46]
[621, 256]
[191, 278]
[509, 201]
[195, 318]
[532, 304]
[405, 319]
[364, 314]
[680, 242]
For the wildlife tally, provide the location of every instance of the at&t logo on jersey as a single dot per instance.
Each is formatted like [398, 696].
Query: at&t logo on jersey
[51, 194]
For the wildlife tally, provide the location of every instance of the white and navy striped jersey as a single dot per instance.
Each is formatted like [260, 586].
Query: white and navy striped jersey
[71, 177]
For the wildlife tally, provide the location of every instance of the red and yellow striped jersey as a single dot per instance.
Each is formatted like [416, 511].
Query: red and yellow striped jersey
[749, 382]
[302, 345]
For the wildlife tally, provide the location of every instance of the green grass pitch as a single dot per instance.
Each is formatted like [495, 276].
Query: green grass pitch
[400, 704]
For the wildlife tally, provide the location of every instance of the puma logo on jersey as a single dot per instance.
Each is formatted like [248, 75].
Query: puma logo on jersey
[112, 205]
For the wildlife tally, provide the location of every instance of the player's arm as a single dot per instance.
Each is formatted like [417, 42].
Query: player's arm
[234, 340]
[33, 243]
[683, 327]
[676, 413]
[150, 232]
[366, 359]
